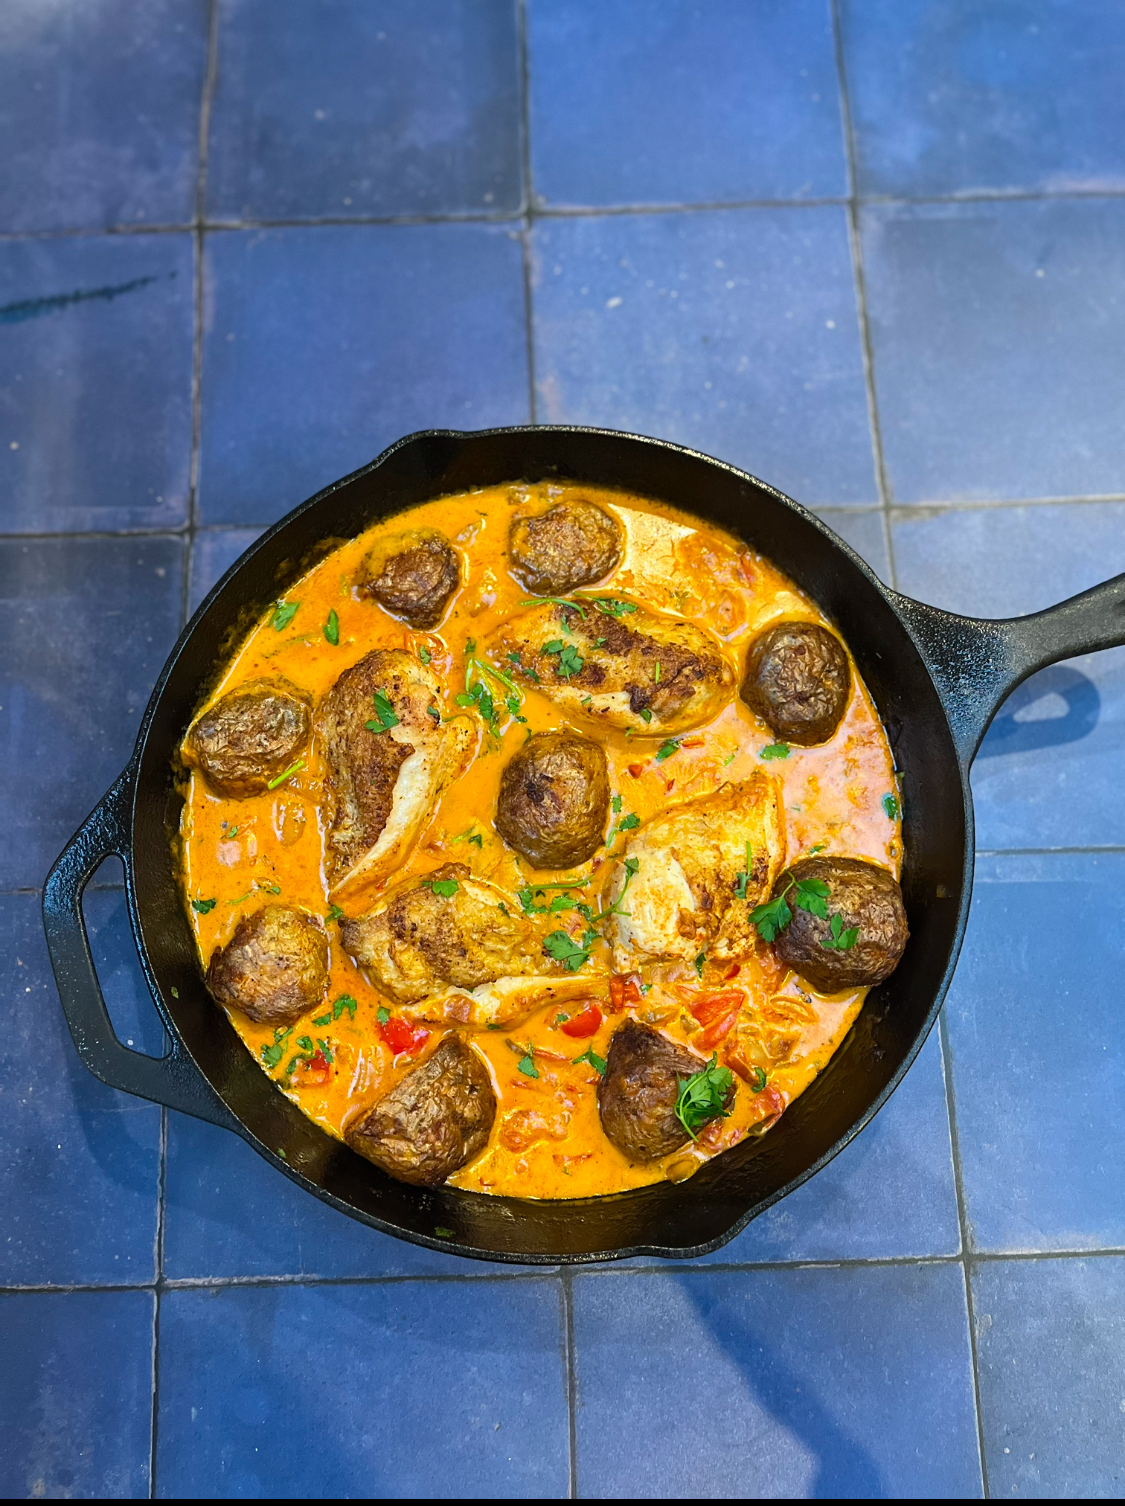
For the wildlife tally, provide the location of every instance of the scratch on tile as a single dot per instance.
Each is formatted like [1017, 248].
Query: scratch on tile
[33, 308]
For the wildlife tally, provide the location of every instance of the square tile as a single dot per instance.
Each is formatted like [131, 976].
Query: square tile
[814, 1382]
[351, 108]
[95, 383]
[79, 1178]
[951, 96]
[999, 347]
[213, 552]
[1051, 1356]
[1037, 1058]
[325, 344]
[865, 531]
[99, 113]
[1050, 769]
[228, 1213]
[85, 625]
[890, 1193]
[408, 1389]
[77, 1406]
[733, 331]
[692, 105]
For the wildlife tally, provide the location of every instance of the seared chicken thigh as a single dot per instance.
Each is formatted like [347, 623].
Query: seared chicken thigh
[390, 756]
[618, 664]
[700, 868]
[448, 946]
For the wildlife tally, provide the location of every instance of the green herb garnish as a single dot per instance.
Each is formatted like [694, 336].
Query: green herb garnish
[775, 750]
[615, 804]
[440, 1233]
[570, 660]
[698, 964]
[526, 1064]
[558, 601]
[443, 888]
[703, 1096]
[891, 807]
[334, 913]
[384, 713]
[730, 758]
[284, 614]
[595, 1061]
[743, 879]
[759, 1080]
[627, 823]
[294, 768]
[382, 1014]
[331, 629]
[775, 914]
[424, 654]
[613, 606]
[666, 749]
[203, 906]
[531, 674]
[645, 715]
[273, 1053]
[570, 953]
[840, 940]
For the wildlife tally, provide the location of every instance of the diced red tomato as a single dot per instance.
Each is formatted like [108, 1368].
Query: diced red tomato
[402, 1037]
[732, 971]
[708, 1007]
[716, 1030]
[624, 988]
[584, 1024]
[317, 1070]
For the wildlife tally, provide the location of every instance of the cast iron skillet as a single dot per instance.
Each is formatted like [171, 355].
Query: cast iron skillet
[936, 678]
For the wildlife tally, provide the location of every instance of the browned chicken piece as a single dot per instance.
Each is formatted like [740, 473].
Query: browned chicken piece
[448, 946]
[412, 575]
[798, 681]
[692, 890]
[249, 737]
[571, 544]
[865, 900]
[618, 664]
[638, 1093]
[434, 1122]
[274, 967]
[389, 757]
[554, 799]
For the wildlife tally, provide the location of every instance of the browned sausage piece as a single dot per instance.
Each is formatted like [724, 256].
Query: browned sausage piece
[864, 897]
[412, 575]
[572, 544]
[249, 737]
[274, 967]
[434, 1122]
[798, 681]
[637, 1096]
[554, 799]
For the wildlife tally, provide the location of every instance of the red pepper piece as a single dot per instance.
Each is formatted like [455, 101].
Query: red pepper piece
[636, 769]
[709, 1006]
[317, 1070]
[402, 1037]
[624, 988]
[732, 971]
[716, 1030]
[584, 1024]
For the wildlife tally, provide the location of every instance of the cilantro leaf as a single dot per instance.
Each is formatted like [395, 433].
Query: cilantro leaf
[666, 749]
[526, 1064]
[772, 917]
[698, 964]
[840, 940]
[565, 949]
[382, 1014]
[759, 1080]
[559, 601]
[273, 1053]
[615, 804]
[595, 1061]
[891, 807]
[345, 1001]
[203, 906]
[384, 712]
[331, 628]
[334, 913]
[812, 895]
[443, 888]
[628, 823]
[570, 660]
[284, 614]
[775, 750]
[613, 606]
[424, 654]
[742, 880]
[645, 715]
[703, 1095]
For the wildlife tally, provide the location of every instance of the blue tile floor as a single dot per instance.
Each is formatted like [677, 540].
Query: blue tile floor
[870, 250]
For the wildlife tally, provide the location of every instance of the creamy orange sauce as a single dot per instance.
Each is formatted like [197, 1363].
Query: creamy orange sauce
[547, 1139]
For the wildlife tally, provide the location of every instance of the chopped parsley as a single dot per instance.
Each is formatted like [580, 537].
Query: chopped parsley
[730, 758]
[526, 1063]
[615, 804]
[175, 993]
[273, 1053]
[480, 696]
[891, 807]
[775, 914]
[613, 606]
[559, 601]
[382, 1015]
[743, 879]
[345, 1001]
[820, 846]
[698, 964]
[440, 1233]
[666, 749]
[434, 712]
[570, 660]
[645, 715]
[627, 823]
[284, 614]
[334, 913]
[532, 675]
[424, 654]
[840, 940]
[443, 888]
[703, 1095]
[331, 628]
[759, 1080]
[385, 717]
[570, 953]
[775, 750]
[469, 835]
[294, 768]
[203, 906]
[595, 1061]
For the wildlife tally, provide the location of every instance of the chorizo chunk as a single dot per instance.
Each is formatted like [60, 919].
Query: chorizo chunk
[572, 544]
[798, 681]
[249, 737]
[866, 898]
[274, 967]
[412, 576]
[434, 1122]
[554, 799]
[637, 1096]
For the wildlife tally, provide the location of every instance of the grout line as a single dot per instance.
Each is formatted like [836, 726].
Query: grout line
[528, 200]
[209, 79]
[903, 511]
[160, 1206]
[966, 1238]
[567, 1282]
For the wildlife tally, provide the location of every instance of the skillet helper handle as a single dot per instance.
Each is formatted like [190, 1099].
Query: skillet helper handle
[976, 662]
[172, 1080]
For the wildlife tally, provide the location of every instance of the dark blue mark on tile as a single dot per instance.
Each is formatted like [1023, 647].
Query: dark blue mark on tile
[1049, 772]
[733, 331]
[955, 97]
[77, 1405]
[95, 382]
[324, 345]
[1037, 1057]
[99, 113]
[780, 1383]
[1051, 1355]
[890, 1193]
[85, 625]
[999, 347]
[365, 107]
[213, 552]
[407, 1389]
[79, 1175]
[229, 1213]
[688, 105]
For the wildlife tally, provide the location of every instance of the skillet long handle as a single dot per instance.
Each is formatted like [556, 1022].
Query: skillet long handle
[976, 662]
[173, 1080]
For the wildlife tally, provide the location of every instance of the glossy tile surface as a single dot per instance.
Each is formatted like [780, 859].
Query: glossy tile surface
[213, 552]
[99, 112]
[324, 345]
[951, 96]
[77, 1408]
[350, 108]
[484, 1363]
[796, 1375]
[618, 114]
[998, 336]
[734, 332]
[95, 382]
